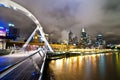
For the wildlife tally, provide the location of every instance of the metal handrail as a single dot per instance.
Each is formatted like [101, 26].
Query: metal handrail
[12, 67]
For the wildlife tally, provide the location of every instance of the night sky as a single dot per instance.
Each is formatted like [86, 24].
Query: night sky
[58, 17]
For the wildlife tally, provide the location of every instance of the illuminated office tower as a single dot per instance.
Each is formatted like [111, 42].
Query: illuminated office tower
[85, 40]
[100, 42]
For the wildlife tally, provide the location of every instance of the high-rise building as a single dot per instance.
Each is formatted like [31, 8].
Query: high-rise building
[85, 40]
[70, 37]
[12, 33]
[83, 34]
[7, 31]
[100, 42]
[75, 40]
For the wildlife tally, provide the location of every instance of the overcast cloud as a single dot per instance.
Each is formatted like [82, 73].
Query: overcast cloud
[60, 16]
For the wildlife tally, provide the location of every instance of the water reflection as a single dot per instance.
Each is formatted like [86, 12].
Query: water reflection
[87, 67]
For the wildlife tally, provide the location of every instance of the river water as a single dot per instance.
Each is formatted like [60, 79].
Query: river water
[87, 67]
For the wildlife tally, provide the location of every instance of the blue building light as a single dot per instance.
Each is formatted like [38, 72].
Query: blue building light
[2, 27]
[11, 25]
[7, 30]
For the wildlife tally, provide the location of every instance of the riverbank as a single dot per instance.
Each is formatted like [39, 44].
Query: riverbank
[60, 55]
[88, 67]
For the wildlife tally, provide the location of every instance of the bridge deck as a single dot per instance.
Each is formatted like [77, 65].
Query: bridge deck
[26, 71]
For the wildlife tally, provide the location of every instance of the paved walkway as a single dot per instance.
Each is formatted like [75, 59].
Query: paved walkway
[26, 71]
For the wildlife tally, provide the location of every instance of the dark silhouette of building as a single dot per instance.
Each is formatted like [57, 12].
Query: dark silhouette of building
[70, 38]
[75, 40]
[12, 33]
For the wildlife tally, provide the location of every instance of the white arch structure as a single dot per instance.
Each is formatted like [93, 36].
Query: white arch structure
[12, 5]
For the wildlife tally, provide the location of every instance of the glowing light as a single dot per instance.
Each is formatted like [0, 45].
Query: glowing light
[80, 58]
[75, 59]
[35, 37]
[1, 27]
[59, 63]
[7, 30]
[67, 61]
[2, 33]
[10, 24]
[52, 61]
[14, 8]
[93, 55]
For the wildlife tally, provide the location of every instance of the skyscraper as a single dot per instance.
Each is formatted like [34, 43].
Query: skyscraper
[100, 42]
[85, 40]
[75, 40]
[83, 34]
[70, 37]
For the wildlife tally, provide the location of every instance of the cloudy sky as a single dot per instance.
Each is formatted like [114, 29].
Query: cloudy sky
[58, 17]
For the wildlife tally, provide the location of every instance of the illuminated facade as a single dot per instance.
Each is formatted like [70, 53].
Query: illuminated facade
[85, 40]
[36, 38]
[100, 42]
[7, 31]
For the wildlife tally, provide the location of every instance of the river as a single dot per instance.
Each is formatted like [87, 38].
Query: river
[88, 67]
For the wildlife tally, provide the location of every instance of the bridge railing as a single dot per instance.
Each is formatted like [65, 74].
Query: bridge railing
[38, 67]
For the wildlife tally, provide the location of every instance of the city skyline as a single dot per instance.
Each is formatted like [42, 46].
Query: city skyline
[86, 41]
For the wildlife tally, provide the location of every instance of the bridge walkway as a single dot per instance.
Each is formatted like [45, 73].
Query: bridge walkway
[22, 66]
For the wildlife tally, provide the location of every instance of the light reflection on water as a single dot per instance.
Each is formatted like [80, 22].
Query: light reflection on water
[87, 67]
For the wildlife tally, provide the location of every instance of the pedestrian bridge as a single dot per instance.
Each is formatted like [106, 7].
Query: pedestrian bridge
[24, 65]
